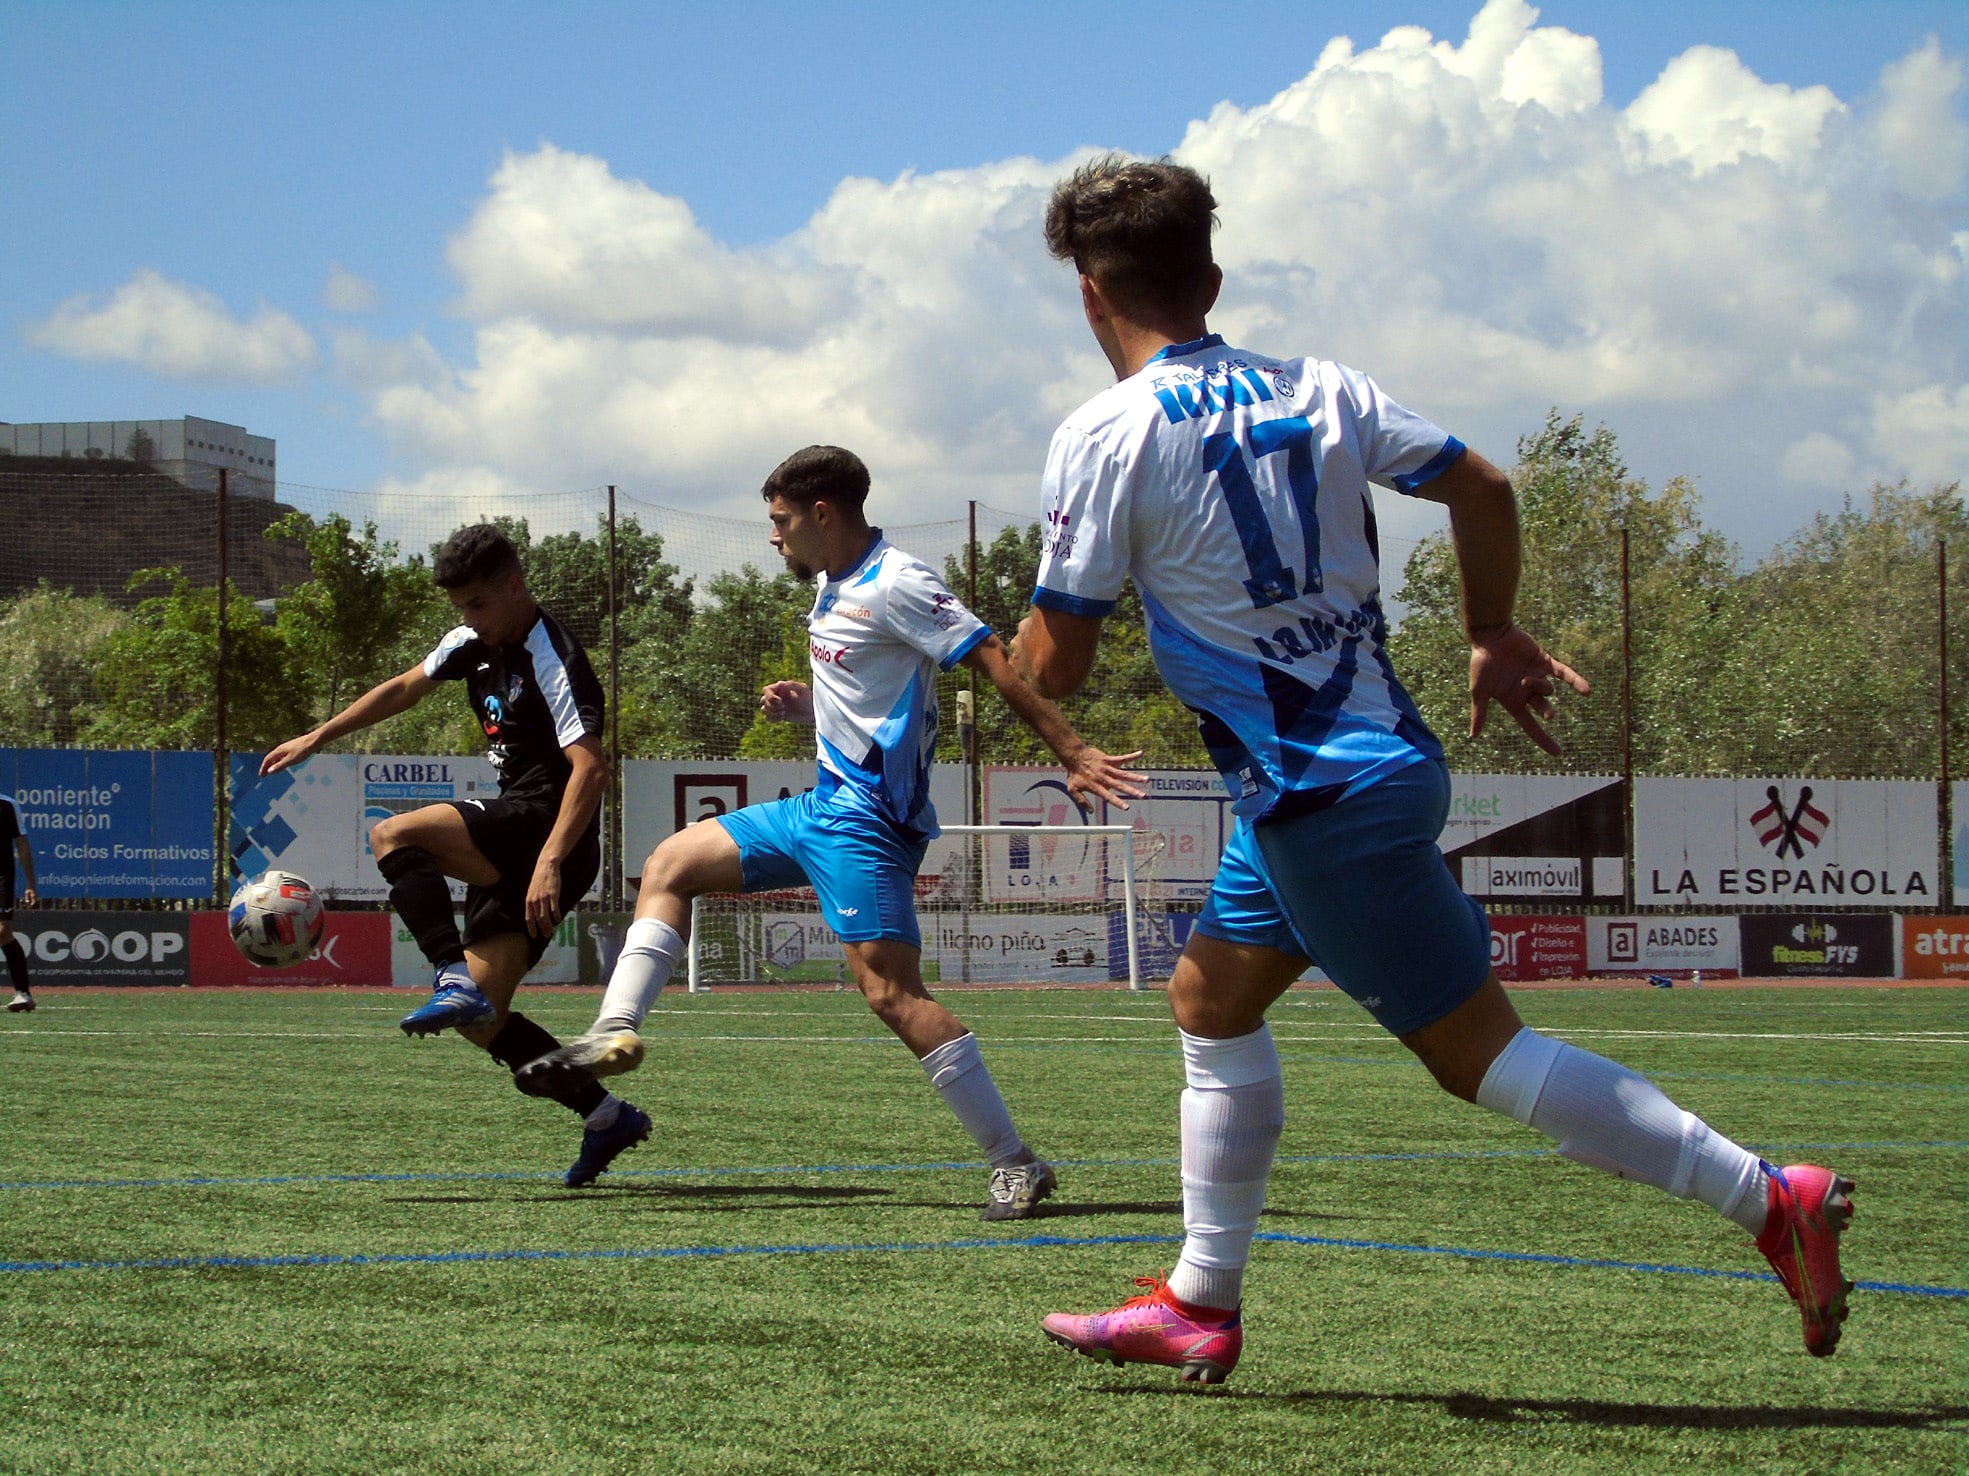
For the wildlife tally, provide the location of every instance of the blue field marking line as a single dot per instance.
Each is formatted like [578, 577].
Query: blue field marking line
[904, 1247]
[817, 1169]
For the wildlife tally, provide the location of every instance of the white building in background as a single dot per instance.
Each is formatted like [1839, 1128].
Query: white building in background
[190, 450]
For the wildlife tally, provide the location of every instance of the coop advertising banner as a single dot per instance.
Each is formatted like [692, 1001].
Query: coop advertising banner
[1662, 945]
[114, 824]
[106, 947]
[662, 796]
[1785, 843]
[314, 819]
[1842, 945]
[1537, 837]
[355, 949]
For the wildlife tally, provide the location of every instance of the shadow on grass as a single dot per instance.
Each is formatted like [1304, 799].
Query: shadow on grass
[1601, 1412]
[797, 1196]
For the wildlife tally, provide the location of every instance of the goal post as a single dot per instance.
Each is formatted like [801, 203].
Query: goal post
[1029, 904]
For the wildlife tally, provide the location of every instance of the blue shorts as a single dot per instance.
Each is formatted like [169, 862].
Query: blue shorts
[1361, 889]
[862, 867]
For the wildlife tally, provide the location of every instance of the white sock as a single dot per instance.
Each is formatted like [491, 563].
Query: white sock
[1233, 1113]
[649, 954]
[958, 1072]
[1603, 1115]
[604, 1115]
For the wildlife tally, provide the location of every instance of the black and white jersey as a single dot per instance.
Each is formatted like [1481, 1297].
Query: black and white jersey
[10, 827]
[534, 699]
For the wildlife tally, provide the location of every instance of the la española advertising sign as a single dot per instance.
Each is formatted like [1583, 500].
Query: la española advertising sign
[1808, 843]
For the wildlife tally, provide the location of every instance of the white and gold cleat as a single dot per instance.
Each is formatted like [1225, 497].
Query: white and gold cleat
[582, 1060]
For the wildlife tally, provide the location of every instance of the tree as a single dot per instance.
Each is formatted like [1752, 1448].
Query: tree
[1124, 705]
[698, 689]
[350, 623]
[52, 642]
[158, 675]
[1574, 498]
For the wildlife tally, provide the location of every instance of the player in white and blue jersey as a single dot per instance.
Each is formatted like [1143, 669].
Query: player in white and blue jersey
[882, 626]
[1234, 488]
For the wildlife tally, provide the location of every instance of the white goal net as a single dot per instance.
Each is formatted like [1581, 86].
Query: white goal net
[1016, 904]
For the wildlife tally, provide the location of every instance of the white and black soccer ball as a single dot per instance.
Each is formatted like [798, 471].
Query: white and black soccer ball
[276, 919]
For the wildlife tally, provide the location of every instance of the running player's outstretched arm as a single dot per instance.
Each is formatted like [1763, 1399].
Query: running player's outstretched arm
[1054, 650]
[384, 700]
[1089, 771]
[1507, 665]
[587, 779]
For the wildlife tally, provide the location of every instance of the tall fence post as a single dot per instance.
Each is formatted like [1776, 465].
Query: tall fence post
[974, 786]
[1945, 888]
[1627, 719]
[612, 886]
[221, 760]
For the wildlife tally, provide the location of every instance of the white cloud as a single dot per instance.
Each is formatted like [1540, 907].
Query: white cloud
[345, 292]
[1923, 138]
[1707, 109]
[560, 239]
[1737, 276]
[178, 332]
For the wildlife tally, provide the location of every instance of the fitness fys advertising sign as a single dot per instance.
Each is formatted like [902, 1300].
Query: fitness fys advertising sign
[1785, 843]
[1840, 945]
[106, 947]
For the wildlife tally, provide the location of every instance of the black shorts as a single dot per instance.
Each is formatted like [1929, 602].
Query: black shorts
[511, 835]
[6, 897]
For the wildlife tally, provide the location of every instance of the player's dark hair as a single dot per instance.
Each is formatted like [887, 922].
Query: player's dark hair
[471, 554]
[1141, 229]
[820, 474]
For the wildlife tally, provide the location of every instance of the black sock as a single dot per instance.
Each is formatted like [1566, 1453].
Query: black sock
[16, 963]
[422, 899]
[520, 1040]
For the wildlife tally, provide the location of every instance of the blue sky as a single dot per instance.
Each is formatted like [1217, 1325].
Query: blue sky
[219, 159]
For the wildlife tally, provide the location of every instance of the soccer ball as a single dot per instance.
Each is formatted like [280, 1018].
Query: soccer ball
[276, 919]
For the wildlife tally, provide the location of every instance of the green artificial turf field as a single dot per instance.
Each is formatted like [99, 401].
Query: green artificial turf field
[377, 1268]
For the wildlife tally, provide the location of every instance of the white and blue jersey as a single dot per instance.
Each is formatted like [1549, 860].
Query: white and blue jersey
[878, 636]
[1234, 488]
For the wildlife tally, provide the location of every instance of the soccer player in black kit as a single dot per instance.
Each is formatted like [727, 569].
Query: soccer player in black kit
[527, 856]
[13, 840]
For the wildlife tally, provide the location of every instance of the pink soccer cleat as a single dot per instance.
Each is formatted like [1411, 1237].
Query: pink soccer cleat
[1155, 1328]
[1810, 1208]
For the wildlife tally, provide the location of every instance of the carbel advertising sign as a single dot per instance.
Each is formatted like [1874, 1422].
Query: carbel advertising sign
[1839, 945]
[105, 947]
[1785, 843]
[114, 824]
[314, 819]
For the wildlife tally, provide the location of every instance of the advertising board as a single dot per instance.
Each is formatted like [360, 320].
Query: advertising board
[114, 823]
[1809, 843]
[355, 949]
[1843, 945]
[1935, 947]
[1543, 837]
[1538, 947]
[106, 947]
[1662, 945]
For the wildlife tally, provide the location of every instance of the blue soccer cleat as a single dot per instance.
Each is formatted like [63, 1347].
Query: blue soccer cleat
[601, 1146]
[455, 1001]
